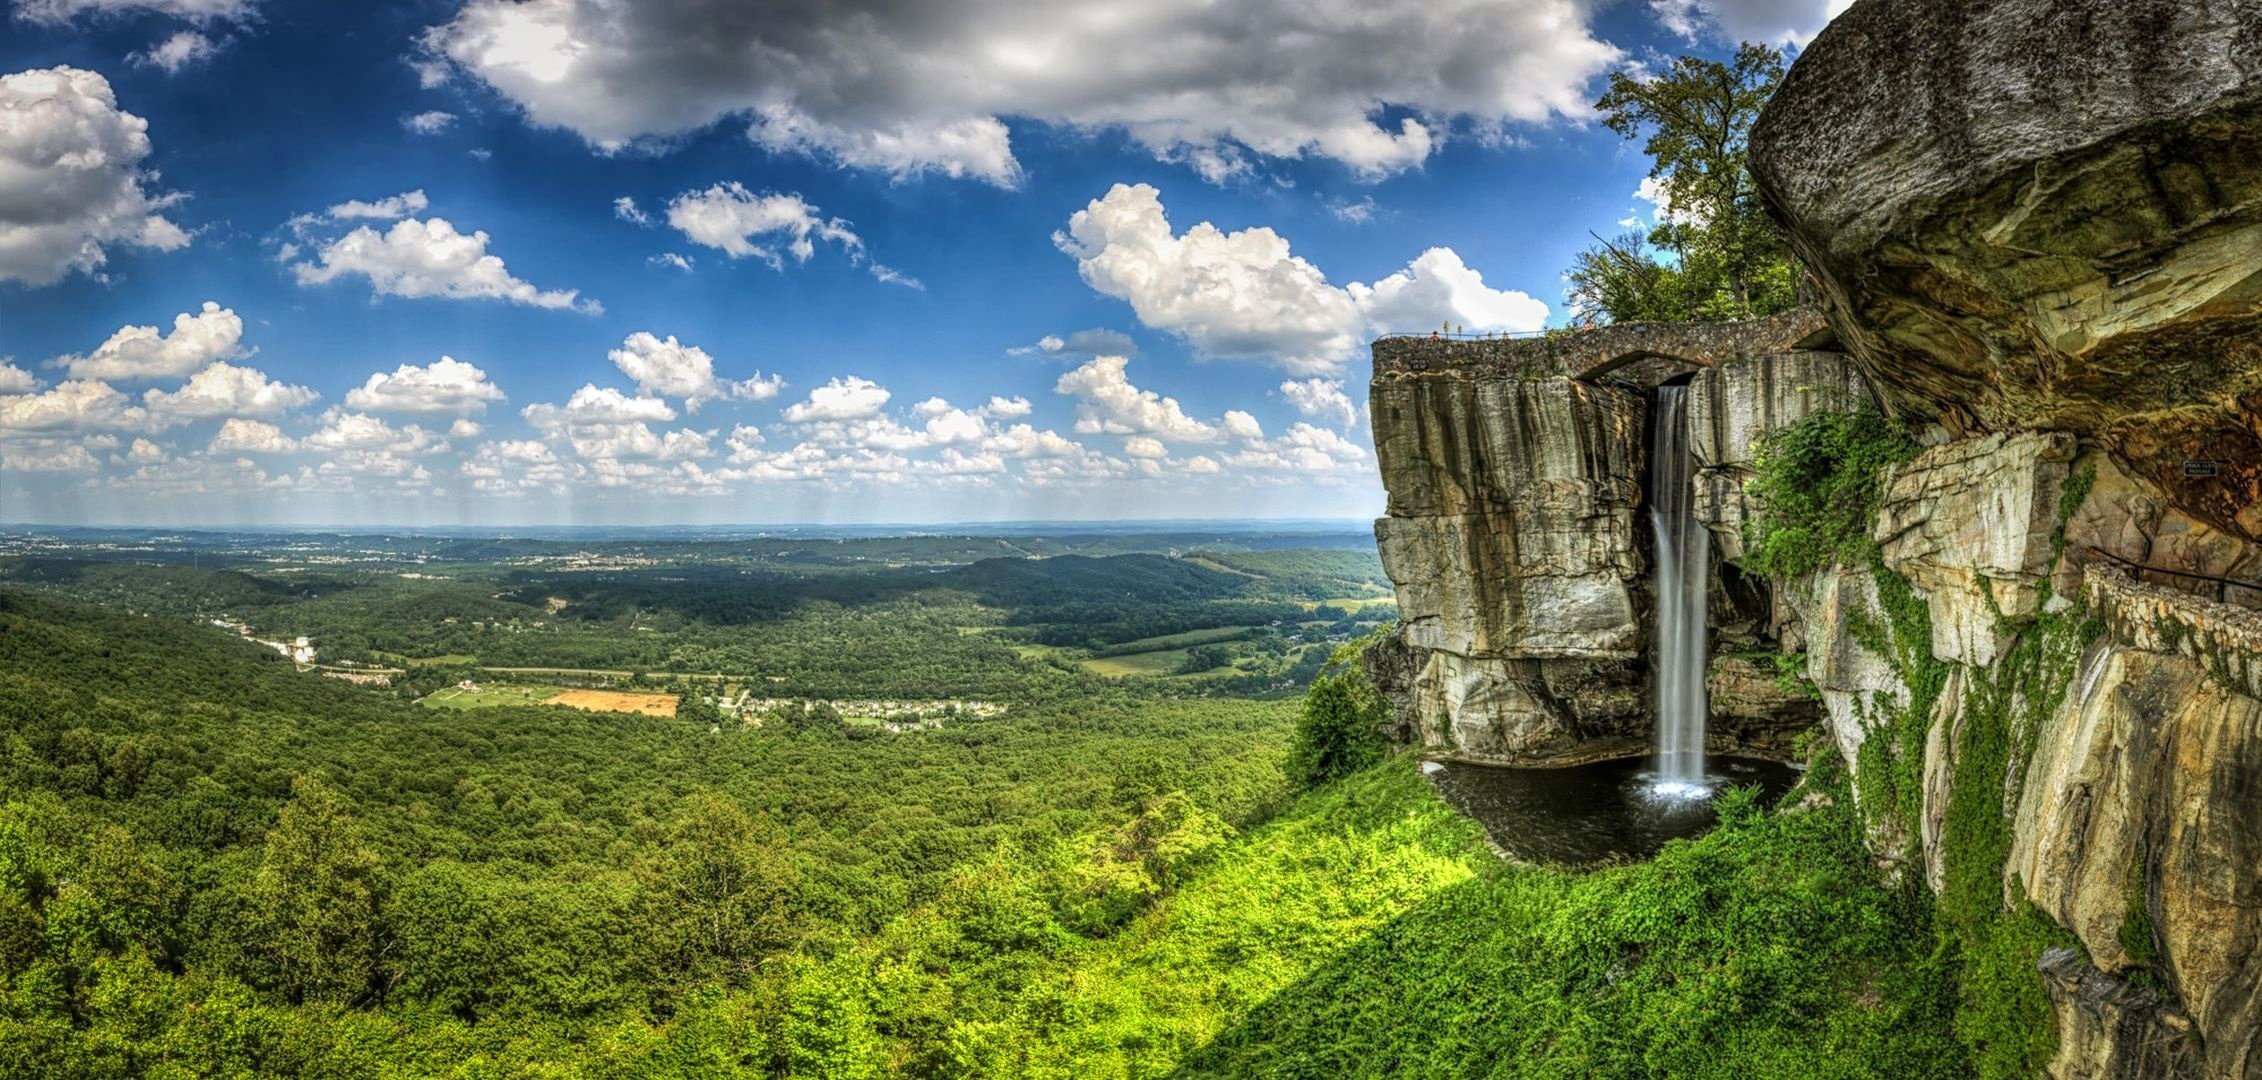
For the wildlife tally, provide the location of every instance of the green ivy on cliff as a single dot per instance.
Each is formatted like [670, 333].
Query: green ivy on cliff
[1815, 489]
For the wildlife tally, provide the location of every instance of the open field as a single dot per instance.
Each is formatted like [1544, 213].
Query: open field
[1185, 640]
[1355, 603]
[1161, 662]
[487, 697]
[448, 660]
[618, 701]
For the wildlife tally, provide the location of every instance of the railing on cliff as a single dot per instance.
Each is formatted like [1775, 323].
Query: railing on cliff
[2137, 570]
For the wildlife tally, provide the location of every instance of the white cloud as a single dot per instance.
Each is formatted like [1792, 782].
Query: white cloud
[389, 208]
[1776, 22]
[1303, 449]
[594, 405]
[429, 258]
[768, 226]
[46, 457]
[446, 386]
[625, 208]
[15, 380]
[79, 405]
[1323, 398]
[670, 260]
[428, 122]
[666, 367]
[184, 50]
[911, 88]
[1094, 342]
[1024, 441]
[241, 436]
[1007, 408]
[1107, 404]
[1437, 287]
[465, 428]
[71, 182]
[353, 431]
[843, 398]
[223, 389]
[1145, 446]
[1245, 294]
[1357, 213]
[144, 452]
[141, 352]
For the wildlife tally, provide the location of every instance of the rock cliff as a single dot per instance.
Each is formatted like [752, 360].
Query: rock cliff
[2030, 213]
[2035, 229]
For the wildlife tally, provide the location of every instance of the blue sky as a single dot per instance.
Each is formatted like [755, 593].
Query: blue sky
[963, 260]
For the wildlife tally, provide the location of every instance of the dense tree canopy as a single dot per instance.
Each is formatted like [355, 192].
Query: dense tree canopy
[1712, 253]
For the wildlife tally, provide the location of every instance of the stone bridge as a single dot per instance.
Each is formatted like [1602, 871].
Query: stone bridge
[1618, 349]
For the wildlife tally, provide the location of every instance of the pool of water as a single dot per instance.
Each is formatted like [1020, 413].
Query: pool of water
[1588, 815]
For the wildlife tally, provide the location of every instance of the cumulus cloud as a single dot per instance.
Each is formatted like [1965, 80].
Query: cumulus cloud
[913, 88]
[1437, 287]
[429, 122]
[1107, 404]
[665, 367]
[71, 181]
[240, 436]
[15, 380]
[389, 208]
[76, 406]
[427, 257]
[1245, 294]
[768, 226]
[1777, 22]
[670, 260]
[178, 53]
[1304, 448]
[1323, 398]
[344, 431]
[142, 352]
[625, 208]
[842, 398]
[221, 390]
[444, 387]
[46, 457]
[594, 405]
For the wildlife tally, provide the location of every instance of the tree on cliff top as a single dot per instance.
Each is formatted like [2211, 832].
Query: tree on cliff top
[1712, 254]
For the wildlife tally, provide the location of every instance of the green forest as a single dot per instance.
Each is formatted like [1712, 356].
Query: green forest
[216, 863]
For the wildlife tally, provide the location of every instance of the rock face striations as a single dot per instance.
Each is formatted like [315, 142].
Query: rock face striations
[2036, 232]
[2040, 214]
[1518, 538]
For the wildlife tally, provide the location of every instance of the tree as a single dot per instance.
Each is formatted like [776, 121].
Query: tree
[314, 899]
[719, 894]
[1340, 730]
[1712, 254]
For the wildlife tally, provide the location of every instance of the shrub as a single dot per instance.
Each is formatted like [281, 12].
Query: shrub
[1340, 731]
[1816, 488]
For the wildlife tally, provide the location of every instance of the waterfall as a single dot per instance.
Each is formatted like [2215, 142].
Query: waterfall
[1684, 564]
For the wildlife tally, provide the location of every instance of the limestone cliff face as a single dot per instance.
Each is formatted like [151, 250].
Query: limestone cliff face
[1519, 542]
[1511, 538]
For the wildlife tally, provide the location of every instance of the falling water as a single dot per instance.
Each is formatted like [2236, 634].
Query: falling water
[1684, 558]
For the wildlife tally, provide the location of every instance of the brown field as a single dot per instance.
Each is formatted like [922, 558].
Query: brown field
[617, 701]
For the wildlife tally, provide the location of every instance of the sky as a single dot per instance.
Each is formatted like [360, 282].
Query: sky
[560, 262]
